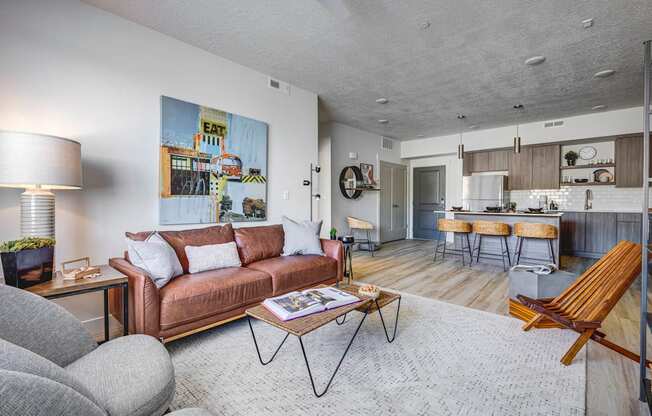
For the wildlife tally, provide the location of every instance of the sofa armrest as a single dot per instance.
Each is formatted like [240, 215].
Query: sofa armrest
[144, 303]
[335, 250]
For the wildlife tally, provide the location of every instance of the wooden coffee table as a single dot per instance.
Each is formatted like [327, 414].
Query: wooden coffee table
[302, 326]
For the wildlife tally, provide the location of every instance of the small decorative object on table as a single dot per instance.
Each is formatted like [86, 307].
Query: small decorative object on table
[369, 291]
[28, 261]
[79, 272]
[333, 233]
[571, 157]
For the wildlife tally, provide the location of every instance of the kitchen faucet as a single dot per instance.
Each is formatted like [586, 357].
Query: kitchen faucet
[588, 198]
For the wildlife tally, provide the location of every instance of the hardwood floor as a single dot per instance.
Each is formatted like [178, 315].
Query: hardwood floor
[407, 266]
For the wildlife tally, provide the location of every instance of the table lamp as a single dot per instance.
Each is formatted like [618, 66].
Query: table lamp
[39, 164]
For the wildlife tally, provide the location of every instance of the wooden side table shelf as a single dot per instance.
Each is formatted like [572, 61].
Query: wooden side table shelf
[109, 278]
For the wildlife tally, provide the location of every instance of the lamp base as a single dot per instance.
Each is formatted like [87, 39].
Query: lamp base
[37, 213]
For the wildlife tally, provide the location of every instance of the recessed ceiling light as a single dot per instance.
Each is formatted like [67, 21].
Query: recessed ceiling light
[382, 101]
[461, 116]
[383, 121]
[518, 106]
[587, 23]
[598, 107]
[425, 25]
[604, 74]
[535, 60]
[420, 135]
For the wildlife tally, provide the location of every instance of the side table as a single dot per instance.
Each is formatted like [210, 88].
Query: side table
[348, 259]
[109, 278]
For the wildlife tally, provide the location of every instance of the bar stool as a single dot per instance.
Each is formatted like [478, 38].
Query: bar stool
[490, 229]
[365, 226]
[458, 228]
[524, 231]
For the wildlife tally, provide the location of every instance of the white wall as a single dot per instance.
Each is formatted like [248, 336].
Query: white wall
[72, 70]
[325, 181]
[346, 139]
[607, 123]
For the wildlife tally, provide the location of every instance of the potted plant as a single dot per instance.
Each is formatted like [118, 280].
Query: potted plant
[571, 157]
[27, 261]
[333, 233]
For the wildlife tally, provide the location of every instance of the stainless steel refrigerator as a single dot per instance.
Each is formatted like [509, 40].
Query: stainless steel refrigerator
[482, 191]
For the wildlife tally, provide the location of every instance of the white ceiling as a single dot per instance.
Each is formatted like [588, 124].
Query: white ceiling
[470, 60]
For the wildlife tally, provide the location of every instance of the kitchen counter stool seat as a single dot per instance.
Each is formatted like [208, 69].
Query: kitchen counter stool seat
[526, 231]
[460, 229]
[491, 229]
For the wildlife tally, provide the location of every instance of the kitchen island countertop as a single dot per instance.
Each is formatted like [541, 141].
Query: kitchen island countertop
[520, 214]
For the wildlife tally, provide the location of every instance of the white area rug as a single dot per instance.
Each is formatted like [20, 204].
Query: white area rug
[446, 360]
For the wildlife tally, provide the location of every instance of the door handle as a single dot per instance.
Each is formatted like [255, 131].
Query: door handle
[394, 206]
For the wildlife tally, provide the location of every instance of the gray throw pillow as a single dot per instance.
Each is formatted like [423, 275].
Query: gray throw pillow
[156, 257]
[301, 238]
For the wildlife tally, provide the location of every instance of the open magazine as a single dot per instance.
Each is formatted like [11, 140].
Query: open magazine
[297, 304]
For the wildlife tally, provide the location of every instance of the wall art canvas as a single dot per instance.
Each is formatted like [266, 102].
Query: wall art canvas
[213, 165]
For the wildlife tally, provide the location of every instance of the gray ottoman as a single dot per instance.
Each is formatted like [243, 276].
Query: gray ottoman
[537, 286]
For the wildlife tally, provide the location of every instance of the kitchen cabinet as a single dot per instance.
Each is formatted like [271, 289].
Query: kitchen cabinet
[628, 227]
[545, 167]
[600, 232]
[572, 232]
[467, 164]
[629, 162]
[491, 161]
[499, 160]
[520, 169]
[592, 234]
[481, 162]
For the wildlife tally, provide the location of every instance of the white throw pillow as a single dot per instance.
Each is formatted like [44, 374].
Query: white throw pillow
[156, 257]
[301, 238]
[212, 256]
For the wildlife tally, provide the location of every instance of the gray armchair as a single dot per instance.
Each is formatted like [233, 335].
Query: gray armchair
[50, 365]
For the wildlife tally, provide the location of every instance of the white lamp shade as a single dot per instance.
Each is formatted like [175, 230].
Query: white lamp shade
[29, 160]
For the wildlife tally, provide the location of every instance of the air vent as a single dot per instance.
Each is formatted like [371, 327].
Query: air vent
[387, 143]
[554, 123]
[277, 85]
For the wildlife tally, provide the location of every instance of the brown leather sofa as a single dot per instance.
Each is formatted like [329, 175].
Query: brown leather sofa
[194, 302]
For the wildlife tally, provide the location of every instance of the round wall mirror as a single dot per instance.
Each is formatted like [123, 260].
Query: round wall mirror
[350, 181]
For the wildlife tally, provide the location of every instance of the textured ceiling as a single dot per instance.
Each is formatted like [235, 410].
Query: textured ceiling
[469, 60]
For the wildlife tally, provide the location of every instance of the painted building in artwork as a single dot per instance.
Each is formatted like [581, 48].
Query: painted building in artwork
[203, 177]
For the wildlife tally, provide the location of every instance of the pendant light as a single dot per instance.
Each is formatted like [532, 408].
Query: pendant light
[460, 147]
[517, 138]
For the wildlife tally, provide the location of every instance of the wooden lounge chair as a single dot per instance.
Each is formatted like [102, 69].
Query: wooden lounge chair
[585, 304]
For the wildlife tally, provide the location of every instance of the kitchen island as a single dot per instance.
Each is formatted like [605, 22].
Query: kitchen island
[532, 248]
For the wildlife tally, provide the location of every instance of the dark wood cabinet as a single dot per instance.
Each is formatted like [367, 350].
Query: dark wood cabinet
[573, 226]
[467, 164]
[628, 227]
[498, 160]
[629, 162]
[601, 232]
[545, 167]
[520, 170]
[481, 162]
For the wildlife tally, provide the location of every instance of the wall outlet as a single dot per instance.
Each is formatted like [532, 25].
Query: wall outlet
[286, 195]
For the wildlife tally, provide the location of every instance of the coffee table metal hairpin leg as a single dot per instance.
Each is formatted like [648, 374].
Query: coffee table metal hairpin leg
[337, 320]
[258, 350]
[398, 308]
[305, 357]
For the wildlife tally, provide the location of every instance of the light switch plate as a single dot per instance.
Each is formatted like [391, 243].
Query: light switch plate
[286, 195]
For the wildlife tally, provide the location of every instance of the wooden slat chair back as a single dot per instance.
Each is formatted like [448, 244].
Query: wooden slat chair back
[585, 304]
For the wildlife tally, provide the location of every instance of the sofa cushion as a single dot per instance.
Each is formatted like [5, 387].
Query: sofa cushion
[130, 375]
[294, 272]
[191, 297]
[218, 234]
[259, 243]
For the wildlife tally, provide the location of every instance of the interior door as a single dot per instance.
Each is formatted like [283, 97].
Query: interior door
[393, 213]
[429, 195]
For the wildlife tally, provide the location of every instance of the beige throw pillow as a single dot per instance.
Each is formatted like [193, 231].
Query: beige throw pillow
[211, 257]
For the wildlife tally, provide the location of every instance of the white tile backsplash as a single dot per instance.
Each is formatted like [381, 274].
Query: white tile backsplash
[571, 198]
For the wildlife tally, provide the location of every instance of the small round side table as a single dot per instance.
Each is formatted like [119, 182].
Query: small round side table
[348, 242]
